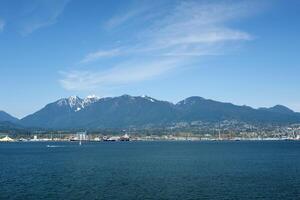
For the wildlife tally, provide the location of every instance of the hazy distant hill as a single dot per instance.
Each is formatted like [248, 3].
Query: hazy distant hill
[125, 111]
[197, 108]
[7, 117]
[279, 109]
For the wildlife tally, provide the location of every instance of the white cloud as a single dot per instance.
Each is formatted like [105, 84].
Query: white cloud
[2, 25]
[39, 14]
[100, 54]
[196, 26]
[184, 33]
[122, 74]
[121, 19]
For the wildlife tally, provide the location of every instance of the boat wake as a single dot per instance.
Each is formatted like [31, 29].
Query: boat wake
[54, 146]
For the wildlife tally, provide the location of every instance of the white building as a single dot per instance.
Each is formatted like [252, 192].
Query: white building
[6, 139]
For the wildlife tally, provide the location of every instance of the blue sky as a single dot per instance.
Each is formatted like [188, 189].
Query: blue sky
[244, 52]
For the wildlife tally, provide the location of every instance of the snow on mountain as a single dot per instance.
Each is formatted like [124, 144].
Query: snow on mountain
[148, 98]
[89, 100]
[77, 103]
[73, 102]
[129, 111]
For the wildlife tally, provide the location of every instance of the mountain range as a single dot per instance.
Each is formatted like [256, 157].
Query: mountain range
[140, 111]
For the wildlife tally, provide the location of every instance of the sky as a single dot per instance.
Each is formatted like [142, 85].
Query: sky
[243, 52]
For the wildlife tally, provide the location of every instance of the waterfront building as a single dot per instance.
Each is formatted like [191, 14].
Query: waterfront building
[125, 137]
[6, 139]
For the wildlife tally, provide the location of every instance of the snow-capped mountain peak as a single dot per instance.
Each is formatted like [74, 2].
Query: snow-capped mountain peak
[76, 103]
[89, 100]
[148, 98]
[73, 102]
[92, 97]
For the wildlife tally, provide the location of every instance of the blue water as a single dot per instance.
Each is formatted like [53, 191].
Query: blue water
[150, 170]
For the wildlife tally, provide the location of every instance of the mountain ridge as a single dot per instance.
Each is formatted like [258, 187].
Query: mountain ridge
[4, 116]
[137, 111]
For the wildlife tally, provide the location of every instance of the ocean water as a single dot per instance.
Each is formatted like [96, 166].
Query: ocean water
[150, 170]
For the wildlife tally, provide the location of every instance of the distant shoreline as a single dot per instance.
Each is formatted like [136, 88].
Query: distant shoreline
[92, 141]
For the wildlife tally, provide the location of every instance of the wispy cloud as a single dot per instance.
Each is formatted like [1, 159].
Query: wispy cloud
[196, 26]
[39, 14]
[179, 36]
[2, 25]
[123, 18]
[100, 54]
[119, 75]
